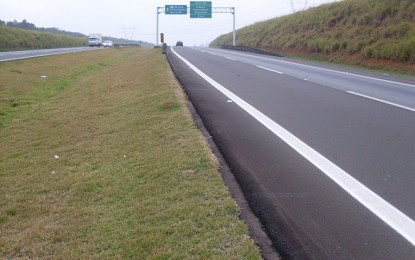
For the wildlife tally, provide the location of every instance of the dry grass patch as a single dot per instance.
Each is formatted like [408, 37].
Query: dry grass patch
[101, 159]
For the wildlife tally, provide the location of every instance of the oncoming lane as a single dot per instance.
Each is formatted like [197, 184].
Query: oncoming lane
[28, 54]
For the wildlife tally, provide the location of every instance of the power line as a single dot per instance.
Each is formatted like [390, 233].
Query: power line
[125, 29]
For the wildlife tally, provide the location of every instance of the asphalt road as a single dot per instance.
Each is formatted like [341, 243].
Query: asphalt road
[325, 155]
[19, 55]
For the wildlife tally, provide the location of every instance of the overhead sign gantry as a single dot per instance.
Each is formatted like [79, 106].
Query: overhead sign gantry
[197, 9]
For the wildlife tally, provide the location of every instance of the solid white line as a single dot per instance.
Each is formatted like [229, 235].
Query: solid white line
[348, 73]
[397, 220]
[330, 70]
[276, 71]
[230, 58]
[381, 100]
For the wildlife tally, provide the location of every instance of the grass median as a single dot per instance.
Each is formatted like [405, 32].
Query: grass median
[100, 158]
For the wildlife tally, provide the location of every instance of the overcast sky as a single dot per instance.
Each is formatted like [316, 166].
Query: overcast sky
[136, 19]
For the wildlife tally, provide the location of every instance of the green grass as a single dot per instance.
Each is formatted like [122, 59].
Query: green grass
[12, 38]
[101, 159]
[375, 33]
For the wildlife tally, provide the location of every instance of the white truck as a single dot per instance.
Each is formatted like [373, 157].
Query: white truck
[95, 40]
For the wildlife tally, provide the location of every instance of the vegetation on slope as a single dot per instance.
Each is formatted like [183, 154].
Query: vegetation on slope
[12, 38]
[371, 32]
[31, 26]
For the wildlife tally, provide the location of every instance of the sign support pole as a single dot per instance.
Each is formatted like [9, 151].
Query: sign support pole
[234, 34]
[157, 26]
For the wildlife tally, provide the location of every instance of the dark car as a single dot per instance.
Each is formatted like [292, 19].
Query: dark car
[179, 43]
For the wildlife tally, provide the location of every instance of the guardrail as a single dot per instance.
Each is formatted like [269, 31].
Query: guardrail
[127, 45]
[249, 49]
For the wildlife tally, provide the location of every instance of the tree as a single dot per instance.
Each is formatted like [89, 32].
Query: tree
[14, 23]
[28, 26]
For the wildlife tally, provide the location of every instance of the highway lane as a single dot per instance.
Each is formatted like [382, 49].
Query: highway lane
[306, 213]
[386, 87]
[27, 54]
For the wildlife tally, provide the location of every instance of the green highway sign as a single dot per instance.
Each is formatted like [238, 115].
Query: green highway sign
[200, 9]
[176, 9]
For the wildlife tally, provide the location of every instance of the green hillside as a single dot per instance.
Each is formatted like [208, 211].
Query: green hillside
[12, 38]
[375, 33]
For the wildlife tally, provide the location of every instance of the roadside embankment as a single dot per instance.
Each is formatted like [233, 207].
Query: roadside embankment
[12, 38]
[371, 33]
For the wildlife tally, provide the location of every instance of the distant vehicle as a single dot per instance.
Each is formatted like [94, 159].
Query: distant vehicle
[108, 44]
[179, 43]
[95, 40]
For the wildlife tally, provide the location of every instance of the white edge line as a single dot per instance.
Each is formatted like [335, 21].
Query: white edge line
[352, 74]
[397, 220]
[381, 100]
[264, 68]
[348, 73]
[335, 71]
